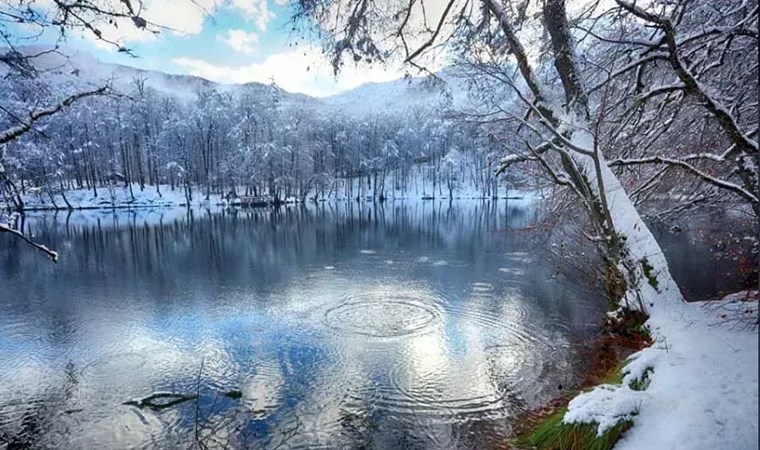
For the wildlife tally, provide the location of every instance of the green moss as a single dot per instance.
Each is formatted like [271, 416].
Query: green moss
[630, 323]
[614, 376]
[553, 434]
[623, 239]
[642, 383]
[649, 273]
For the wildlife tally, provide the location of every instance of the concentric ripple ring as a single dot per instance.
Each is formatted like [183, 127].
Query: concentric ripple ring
[383, 314]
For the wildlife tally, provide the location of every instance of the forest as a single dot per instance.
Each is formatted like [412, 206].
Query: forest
[251, 140]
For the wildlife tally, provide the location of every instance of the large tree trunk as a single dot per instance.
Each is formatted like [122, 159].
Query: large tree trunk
[629, 249]
[630, 243]
[635, 251]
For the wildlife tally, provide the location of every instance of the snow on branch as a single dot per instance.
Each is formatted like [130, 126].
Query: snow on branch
[736, 189]
[509, 160]
[690, 83]
[12, 133]
[627, 68]
[516, 48]
[654, 92]
[53, 255]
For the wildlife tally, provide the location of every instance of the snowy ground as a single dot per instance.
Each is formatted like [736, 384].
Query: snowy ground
[118, 197]
[703, 388]
[419, 184]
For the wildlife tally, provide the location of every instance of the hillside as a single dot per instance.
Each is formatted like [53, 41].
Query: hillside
[69, 64]
[382, 140]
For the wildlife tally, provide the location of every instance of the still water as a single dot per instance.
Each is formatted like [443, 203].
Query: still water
[411, 325]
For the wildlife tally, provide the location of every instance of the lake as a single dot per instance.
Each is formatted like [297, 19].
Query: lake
[402, 325]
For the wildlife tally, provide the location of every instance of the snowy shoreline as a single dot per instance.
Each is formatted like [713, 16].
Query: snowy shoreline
[121, 198]
[129, 206]
[700, 379]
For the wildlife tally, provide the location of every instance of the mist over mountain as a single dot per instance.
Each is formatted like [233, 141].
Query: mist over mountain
[68, 65]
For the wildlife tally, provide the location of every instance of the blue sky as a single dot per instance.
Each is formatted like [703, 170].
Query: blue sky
[230, 41]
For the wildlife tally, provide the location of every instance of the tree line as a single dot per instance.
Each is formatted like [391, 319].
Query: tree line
[252, 140]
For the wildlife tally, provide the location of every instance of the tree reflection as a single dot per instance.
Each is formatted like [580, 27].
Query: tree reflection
[141, 297]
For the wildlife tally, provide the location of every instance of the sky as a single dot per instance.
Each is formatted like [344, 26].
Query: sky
[231, 41]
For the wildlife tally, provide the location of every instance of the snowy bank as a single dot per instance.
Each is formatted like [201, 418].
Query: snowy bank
[695, 388]
[117, 197]
[121, 197]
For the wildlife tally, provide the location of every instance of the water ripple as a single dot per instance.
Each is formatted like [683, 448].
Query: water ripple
[383, 314]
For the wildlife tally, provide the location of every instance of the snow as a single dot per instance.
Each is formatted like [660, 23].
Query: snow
[606, 405]
[702, 370]
[117, 197]
[69, 64]
[420, 184]
[367, 99]
[120, 197]
[639, 240]
[402, 95]
[703, 388]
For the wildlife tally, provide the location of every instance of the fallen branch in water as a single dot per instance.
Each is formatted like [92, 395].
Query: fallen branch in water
[169, 399]
[6, 228]
[150, 401]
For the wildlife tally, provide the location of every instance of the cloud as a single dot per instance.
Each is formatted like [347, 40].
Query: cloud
[185, 17]
[303, 69]
[240, 40]
[256, 11]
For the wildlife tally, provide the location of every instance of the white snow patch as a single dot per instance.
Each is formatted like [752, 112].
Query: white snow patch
[118, 197]
[703, 389]
[606, 405]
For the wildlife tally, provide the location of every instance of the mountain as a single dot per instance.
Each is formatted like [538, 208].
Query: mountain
[390, 96]
[399, 95]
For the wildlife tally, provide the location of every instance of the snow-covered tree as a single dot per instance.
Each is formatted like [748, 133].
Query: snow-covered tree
[559, 117]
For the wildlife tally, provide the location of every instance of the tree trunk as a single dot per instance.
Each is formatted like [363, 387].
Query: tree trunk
[628, 247]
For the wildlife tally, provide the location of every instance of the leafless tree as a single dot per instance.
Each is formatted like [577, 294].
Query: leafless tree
[563, 136]
[682, 81]
[23, 21]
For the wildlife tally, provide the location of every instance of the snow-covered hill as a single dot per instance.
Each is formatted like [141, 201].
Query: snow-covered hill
[390, 96]
[68, 65]
[185, 129]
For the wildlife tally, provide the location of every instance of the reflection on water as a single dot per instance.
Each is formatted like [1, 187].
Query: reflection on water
[412, 325]
[712, 256]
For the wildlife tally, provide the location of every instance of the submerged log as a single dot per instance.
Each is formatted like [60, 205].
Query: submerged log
[161, 400]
